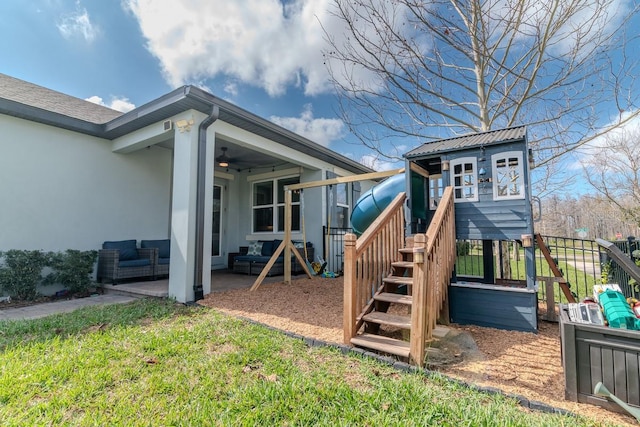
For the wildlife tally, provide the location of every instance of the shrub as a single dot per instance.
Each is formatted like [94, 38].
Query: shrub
[22, 272]
[463, 248]
[72, 269]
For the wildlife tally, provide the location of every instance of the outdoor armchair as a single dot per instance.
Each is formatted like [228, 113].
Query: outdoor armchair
[119, 260]
[162, 256]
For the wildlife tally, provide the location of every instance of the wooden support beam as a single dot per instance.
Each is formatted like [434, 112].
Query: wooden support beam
[418, 169]
[287, 236]
[267, 267]
[554, 268]
[343, 179]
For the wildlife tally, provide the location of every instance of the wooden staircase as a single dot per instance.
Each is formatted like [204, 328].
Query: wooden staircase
[386, 297]
[390, 283]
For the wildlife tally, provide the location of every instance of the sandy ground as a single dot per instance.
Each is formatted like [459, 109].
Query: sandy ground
[520, 363]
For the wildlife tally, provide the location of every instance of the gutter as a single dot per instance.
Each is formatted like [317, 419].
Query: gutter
[200, 197]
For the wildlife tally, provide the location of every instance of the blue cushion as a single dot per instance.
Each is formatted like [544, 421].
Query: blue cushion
[276, 243]
[267, 247]
[127, 248]
[164, 261]
[253, 258]
[164, 246]
[135, 263]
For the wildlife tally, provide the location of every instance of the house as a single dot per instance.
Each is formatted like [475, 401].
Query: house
[187, 166]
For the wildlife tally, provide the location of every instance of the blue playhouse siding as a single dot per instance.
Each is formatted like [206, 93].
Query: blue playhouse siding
[494, 307]
[493, 219]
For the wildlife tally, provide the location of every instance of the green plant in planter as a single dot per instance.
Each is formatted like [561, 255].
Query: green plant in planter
[21, 273]
[72, 269]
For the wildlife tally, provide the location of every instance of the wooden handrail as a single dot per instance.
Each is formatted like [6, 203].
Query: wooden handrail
[434, 259]
[368, 259]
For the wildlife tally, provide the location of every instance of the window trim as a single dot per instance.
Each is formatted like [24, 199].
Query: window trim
[275, 205]
[494, 170]
[438, 188]
[346, 205]
[462, 161]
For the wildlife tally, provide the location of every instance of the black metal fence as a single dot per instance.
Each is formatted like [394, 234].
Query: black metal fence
[583, 263]
[333, 240]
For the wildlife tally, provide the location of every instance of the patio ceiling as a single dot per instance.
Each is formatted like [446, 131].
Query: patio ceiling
[243, 158]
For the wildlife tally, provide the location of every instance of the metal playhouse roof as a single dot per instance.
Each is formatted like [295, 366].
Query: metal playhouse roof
[463, 142]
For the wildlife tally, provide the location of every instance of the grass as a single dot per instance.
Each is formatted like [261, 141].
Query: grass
[581, 282]
[163, 364]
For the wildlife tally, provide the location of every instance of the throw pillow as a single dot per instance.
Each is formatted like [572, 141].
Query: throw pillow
[255, 248]
[127, 249]
[267, 247]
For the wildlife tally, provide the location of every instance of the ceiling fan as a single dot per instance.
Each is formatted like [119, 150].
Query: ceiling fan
[223, 159]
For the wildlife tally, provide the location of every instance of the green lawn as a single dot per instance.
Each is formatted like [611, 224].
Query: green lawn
[154, 363]
[581, 282]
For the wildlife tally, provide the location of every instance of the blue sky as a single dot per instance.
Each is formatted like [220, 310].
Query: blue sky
[126, 53]
[262, 55]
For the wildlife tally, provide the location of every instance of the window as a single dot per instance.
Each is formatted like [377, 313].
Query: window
[342, 206]
[508, 175]
[464, 180]
[268, 205]
[436, 189]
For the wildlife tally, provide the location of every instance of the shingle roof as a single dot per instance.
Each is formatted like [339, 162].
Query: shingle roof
[469, 141]
[49, 100]
[36, 103]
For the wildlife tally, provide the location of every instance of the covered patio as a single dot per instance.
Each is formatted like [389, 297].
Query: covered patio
[221, 281]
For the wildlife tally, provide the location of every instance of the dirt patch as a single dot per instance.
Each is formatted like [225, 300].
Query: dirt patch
[519, 363]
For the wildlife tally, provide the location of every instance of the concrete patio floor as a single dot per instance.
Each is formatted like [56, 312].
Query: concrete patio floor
[221, 280]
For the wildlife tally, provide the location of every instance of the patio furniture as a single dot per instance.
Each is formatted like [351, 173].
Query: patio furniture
[259, 253]
[119, 260]
[162, 257]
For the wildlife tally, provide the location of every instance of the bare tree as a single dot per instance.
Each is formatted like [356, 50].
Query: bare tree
[612, 168]
[410, 71]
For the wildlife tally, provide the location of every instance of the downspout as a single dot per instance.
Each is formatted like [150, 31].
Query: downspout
[200, 197]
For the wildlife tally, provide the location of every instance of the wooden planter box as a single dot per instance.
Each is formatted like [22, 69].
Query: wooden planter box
[592, 354]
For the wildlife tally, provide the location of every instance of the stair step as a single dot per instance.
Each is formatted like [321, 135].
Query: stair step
[405, 250]
[397, 280]
[383, 344]
[402, 264]
[403, 322]
[396, 298]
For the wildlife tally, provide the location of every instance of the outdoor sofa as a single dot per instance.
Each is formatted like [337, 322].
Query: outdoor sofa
[122, 259]
[258, 254]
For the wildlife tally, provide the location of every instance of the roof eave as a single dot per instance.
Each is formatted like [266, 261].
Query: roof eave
[27, 112]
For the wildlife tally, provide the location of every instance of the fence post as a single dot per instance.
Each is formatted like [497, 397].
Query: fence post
[419, 302]
[350, 288]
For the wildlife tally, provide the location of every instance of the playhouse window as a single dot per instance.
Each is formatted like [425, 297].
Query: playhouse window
[268, 198]
[464, 179]
[436, 189]
[508, 175]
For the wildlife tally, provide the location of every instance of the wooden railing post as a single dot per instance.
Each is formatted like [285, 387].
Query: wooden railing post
[419, 302]
[350, 286]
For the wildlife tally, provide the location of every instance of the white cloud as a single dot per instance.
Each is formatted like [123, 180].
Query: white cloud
[78, 25]
[259, 42]
[231, 88]
[322, 131]
[374, 162]
[119, 104]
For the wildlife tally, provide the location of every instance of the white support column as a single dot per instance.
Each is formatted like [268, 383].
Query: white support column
[183, 213]
[208, 209]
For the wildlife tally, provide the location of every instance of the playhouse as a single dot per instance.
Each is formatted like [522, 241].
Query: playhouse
[470, 188]
[489, 175]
